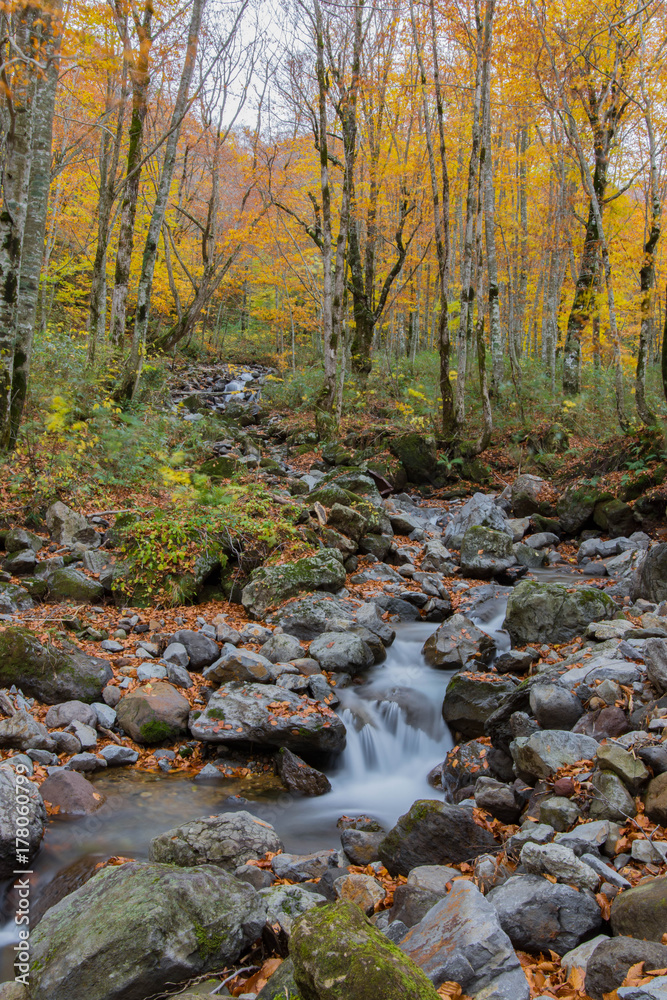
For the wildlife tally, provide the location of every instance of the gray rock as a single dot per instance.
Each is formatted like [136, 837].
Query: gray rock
[281, 648]
[153, 714]
[86, 735]
[116, 756]
[437, 558]
[461, 940]
[86, 762]
[485, 552]
[149, 671]
[22, 732]
[200, 648]
[227, 840]
[433, 832]
[236, 664]
[367, 615]
[17, 539]
[111, 695]
[535, 833]
[361, 847]
[434, 878]
[498, 799]
[59, 716]
[606, 873]
[341, 651]
[177, 654]
[48, 673]
[649, 582]
[525, 494]
[554, 706]
[69, 584]
[311, 616]
[179, 676]
[611, 799]
[138, 929]
[547, 612]
[302, 867]
[286, 903]
[274, 584]
[559, 812]
[17, 791]
[640, 912]
[299, 777]
[538, 915]
[481, 509]
[655, 658]
[111, 646]
[545, 752]
[470, 699]
[65, 742]
[362, 890]
[559, 861]
[73, 794]
[67, 527]
[248, 710]
[457, 643]
[526, 556]
[608, 965]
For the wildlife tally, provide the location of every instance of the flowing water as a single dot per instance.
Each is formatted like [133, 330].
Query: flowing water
[395, 735]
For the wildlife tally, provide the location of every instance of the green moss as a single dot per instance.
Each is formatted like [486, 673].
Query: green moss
[207, 944]
[215, 713]
[156, 731]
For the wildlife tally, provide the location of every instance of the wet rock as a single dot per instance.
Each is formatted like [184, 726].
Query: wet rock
[339, 955]
[545, 752]
[227, 840]
[456, 643]
[559, 861]
[462, 766]
[268, 715]
[547, 612]
[17, 790]
[341, 651]
[201, 649]
[274, 584]
[362, 890]
[433, 832]
[361, 847]
[138, 929]
[470, 699]
[47, 673]
[641, 912]
[554, 706]
[286, 903]
[22, 732]
[411, 904]
[485, 552]
[85, 762]
[367, 616]
[154, 713]
[611, 799]
[539, 916]
[59, 716]
[514, 661]
[297, 776]
[482, 510]
[68, 584]
[609, 964]
[73, 794]
[461, 940]
[236, 664]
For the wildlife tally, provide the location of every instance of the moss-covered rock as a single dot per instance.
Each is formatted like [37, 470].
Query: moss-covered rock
[219, 468]
[485, 552]
[548, 612]
[281, 985]
[616, 518]
[274, 584]
[433, 833]
[417, 453]
[138, 929]
[339, 955]
[154, 713]
[52, 675]
[68, 584]
[575, 508]
[470, 699]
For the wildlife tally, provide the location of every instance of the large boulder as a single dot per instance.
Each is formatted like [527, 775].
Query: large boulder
[271, 585]
[341, 651]
[22, 732]
[239, 665]
[67, 527]
[153, 713]
[310, 616]
[201, 649]
[17, 792]
[69, 584]
[540, 916]
[575, 507]
[138, 929]
[641, 912]
[433, 833]
[555, 706]
[460, 940]
[227, 840]
[470, 699]
[528, 495]
[485, 552]
[608, 965]
[481, 509]
[50, 674]
[417, 454]
[649, 582]
[458, 643]
[339, 955]
[268, 715]
[59, 716]
[548, 612]
[616, 518]
[545, 752]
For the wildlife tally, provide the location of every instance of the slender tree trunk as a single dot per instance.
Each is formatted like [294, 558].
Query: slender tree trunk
[140, 83]
[647, 272]
[48, 38]
[145, 288]
[495, 332]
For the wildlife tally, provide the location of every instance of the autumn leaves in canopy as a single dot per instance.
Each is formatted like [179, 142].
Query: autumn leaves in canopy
[483, 179]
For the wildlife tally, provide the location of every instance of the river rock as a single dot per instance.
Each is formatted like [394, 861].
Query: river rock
[437, 559]
[655, 656]
[297, 776]
[456, 643]
[177, 654]
[528, 495]
[470, 699]
[228, 840]
[67, 527]
[59, 716]
[485, 552]
[69, 584]
[611, 799]
[555, 706]
[608, 965]
[20, 563]
[153, 713]
[247, 713]
[547, 612]
[604, 723]
[138, 929]
[631, 771]
[310, 616]
[116, 756]
[498, 799]
[649, 582]
[433, 833]
[236, 664]
[559, 861]
[282, 648]
[73, 794]
[341, 651]
[47, 673]
[286, 903]
[201, 649]
[21, 732]
[17, 539]
[641, 912]
[339, 955]
[303, 867]
[361, 846]
[460, 940]
[16, 790]
[367, 616]
[482, 510]
[362, 890]
[539, 916]
[273, 584]
[545, 752]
